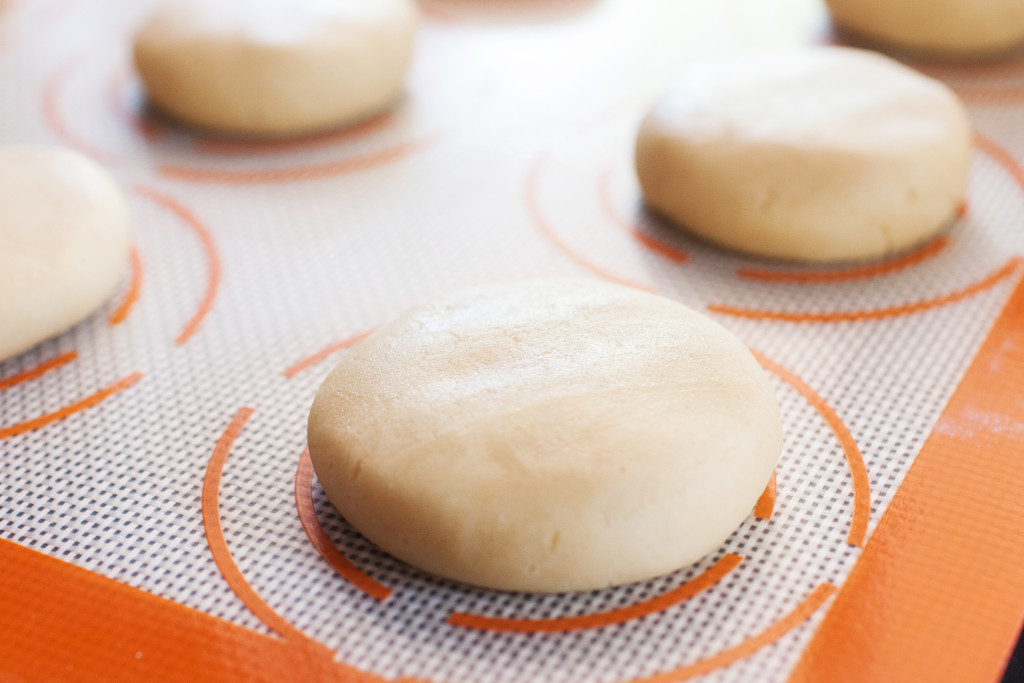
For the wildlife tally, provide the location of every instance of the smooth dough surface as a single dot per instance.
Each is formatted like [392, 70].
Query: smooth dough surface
[955, 28]
[548, 435]
[64, 240]
[814, 154]
[275, 67]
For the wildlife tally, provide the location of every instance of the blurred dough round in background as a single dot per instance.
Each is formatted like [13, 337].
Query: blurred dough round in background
[64, 241]
[812, 154]
[275, 67]
[548, 435]
[952, 28]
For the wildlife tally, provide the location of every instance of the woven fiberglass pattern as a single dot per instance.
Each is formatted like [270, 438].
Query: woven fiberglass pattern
[509, 157]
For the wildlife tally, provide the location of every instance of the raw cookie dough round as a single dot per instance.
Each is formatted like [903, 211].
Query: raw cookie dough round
[814, 154]
[275, 67]
[64, 240]
[548, 435]
[954, 28]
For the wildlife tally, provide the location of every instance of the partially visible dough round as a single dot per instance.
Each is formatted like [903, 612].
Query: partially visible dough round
[813, 154]
[955, 28]
[548, 435]
[64, 240]
[275, 67]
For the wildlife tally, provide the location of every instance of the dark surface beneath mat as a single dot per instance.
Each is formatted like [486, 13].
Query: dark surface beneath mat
[1015, 669]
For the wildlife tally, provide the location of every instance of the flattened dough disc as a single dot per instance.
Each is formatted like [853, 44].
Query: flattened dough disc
[548, 435]
[64, 240]
[275, 67]
[812, 154]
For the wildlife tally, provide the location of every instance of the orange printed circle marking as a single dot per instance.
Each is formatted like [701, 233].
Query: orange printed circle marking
[67, 411]
[38, 371]
[355, 131]
[52, 89]
[289, 174]
[218, 545]
[912, 258]
[548, 231]
[150, 129]
[116, 86]
[600, 619]
[854, 458]
[646, 240]
[996, 153]
[766, 503]
[131, 295]
[311, 525]
[313, 359]
[987, 282]
[213, 266]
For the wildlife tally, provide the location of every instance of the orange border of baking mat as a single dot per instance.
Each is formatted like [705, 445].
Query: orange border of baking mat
[61, 622]
[938, 592]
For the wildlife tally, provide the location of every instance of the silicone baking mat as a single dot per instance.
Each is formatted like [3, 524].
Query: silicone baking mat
[158, 516]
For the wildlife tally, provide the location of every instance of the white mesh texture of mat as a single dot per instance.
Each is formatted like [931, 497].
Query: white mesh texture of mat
[510, 157]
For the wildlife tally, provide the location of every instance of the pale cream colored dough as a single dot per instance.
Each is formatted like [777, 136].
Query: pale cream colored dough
[275, 67]
[548, 435]
[953, 28]
[64, 241]
[813, 154]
